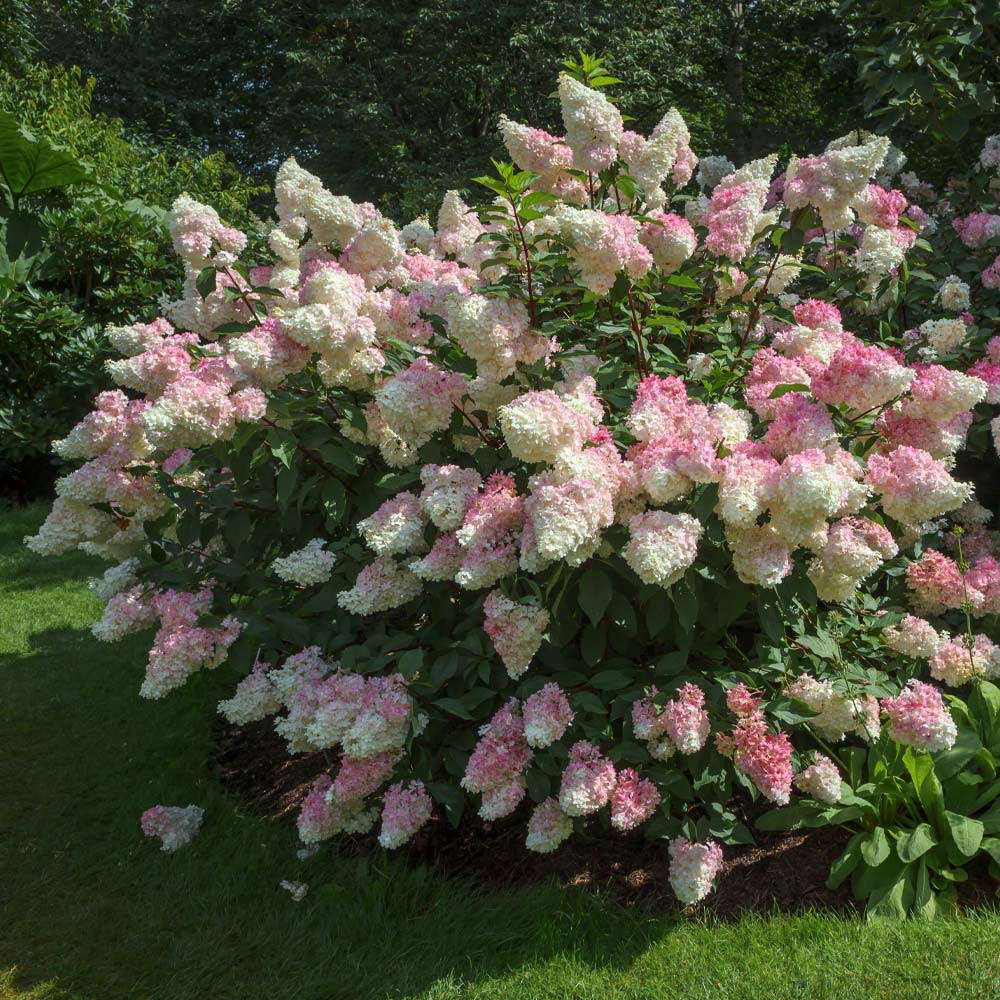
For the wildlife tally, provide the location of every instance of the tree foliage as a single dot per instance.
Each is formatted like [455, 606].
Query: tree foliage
[931, 69]
[394, 104]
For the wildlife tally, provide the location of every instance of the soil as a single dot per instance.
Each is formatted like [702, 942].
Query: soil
[783, 871]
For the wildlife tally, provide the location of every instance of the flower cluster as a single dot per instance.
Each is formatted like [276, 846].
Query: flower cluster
[175, 826]
[693, 869]
[307, 566]
[919, 718]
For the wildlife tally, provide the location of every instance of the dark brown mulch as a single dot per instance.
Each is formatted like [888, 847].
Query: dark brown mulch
[783, 871]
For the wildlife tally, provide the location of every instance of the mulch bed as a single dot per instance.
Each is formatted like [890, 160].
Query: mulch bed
[783, 871]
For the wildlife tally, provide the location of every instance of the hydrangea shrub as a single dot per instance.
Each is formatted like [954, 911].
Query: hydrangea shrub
[625, 498]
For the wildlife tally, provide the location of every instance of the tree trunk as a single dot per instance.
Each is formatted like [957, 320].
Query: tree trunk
[734, 80]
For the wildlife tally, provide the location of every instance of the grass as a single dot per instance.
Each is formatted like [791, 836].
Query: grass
[90, 910]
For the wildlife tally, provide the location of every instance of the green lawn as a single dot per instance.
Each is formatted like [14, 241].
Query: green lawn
[89, 909]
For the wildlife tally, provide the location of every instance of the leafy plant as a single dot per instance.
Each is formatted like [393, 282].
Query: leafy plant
[919, 820]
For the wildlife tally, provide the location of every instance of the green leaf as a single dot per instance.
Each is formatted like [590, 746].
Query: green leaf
[914, 843]
[453, 707]
[984, 708]
[991, 846]
[926, 784]
[949, 762]
[283, 445]
[966, 834]
[686, 603]
[234, 327]
[955, 125]
[539, 784]
[205, 282]
[924, 898]
[537, 198]
[659, 611]
[846, 863]
[410, 662]
[23, 244]
[790, 711]
[792, 817]
[683, 281]
[587, 701]
[334, 500]
[29, 164]
[821, 644]
[621, 615]
[596, 591]
[785, 388]
[612, 680]
[875, 847]
[451, 797]
[791, 242]
[892, 892]
[593, 642]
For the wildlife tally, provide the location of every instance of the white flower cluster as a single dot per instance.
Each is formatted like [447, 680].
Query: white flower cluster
[397, 527]
[820, 780]
[662, 545]
[711, 170]
[115, 580]
[593, 125]
[943, 335]
[380, 586]
[175, 826]
[651, 160]
[255, 698]
[309, 565]
[837, 715]
[953, 294]
[303, 202]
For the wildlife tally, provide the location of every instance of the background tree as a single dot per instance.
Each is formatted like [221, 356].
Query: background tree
[930, 69]
[397, 103]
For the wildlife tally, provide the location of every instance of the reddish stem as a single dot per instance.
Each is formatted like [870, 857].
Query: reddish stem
[527, 261]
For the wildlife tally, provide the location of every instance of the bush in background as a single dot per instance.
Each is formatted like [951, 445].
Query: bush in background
[83, 244]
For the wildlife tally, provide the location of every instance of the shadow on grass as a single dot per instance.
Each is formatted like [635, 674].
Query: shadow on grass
[93, 906]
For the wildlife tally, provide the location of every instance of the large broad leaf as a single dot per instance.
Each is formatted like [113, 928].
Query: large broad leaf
[875, 847]
[916, 842]
[794, 817]
[966, 833]
[22, 238]
[927, 786]
[29, 164]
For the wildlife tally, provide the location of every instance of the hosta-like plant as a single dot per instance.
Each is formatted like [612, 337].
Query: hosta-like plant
[919, 816]
[587, 505]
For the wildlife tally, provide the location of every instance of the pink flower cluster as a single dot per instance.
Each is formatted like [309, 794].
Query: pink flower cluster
[937, 584]
[977, 229]
[547, 715]
[633, 801]
[735, 211]
[683, 722]
[181, 646]
[587, 782]
[693, 868]
[602, 246]
[820, 780]
[175, 826]
[918, 718]
[406, 808]
[763, 756]
[496, 766]
[516, 630]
